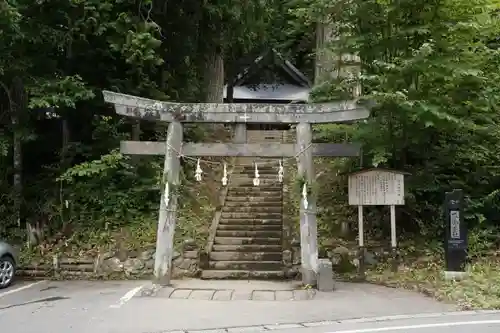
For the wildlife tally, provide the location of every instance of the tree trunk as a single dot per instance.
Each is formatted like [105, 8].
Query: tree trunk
[64, 164]
[324, 63]
[65, 137]
[136, 131]
[16, 108]
[214, 81]
[136, 136]
[329, 65]
[214, 77]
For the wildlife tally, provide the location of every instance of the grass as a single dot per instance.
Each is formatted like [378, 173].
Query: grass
[480, 290]
[139, 234]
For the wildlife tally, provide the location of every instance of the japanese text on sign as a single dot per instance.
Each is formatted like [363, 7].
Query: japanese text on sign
[455, 224]
[376, 188]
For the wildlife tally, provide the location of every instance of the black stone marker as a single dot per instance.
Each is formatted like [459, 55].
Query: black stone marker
[455, 248]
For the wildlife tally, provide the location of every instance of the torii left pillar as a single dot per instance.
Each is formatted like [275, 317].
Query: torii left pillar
[167, 217]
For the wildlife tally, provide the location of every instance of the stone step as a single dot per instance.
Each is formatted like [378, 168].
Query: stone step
[250, 222]
[255, 197]
[250, 175]
[241, 176]
[242, 274]
[251, 188]
[251, 215]
[263, 185]
[252, 160]
[247, 233]
[265, 139]
[264, 132]
[262, 139]
[254, 192]
[254, 209]
[250, 164]
[255, 189]
[270, 168]
[245, 203]
[246, 256]
[266, 167]
[247, 248]
[238, 200]
[250, 227]
[246, 265]
[220, 240]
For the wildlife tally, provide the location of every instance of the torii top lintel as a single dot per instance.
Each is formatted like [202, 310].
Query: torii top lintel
[148, 109]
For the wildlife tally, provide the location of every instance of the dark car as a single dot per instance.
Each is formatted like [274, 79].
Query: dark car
[7, 264]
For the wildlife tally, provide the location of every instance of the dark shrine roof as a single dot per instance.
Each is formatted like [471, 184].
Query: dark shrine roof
[295, 87]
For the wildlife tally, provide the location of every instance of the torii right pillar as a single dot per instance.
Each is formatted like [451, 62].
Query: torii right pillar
[308, 225]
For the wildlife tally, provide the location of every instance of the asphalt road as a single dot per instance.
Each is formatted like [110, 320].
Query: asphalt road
[445, 323]
[117, 307]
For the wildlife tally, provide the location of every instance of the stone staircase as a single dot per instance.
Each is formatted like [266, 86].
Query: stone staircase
[248, 240]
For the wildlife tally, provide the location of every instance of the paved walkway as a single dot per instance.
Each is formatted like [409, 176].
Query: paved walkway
[213, 290]
[132, 307]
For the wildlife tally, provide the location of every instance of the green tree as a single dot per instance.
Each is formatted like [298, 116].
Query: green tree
[431, 69]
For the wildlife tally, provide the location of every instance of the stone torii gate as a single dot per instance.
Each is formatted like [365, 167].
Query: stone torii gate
[302, 115]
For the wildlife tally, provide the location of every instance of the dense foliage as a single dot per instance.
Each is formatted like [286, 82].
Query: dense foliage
[59, 166]
[430, 65]
[432, 68]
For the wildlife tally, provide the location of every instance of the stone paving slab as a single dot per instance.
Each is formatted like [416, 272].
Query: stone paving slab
[284, 295]
[223, 295]
[263, 295]
[231, 291]
[202, 294]
[233, 294]
[248, 290]
[239, 295]
[181, 293]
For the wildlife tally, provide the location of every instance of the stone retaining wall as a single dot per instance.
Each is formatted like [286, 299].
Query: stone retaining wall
[344, 260]
[110, 265]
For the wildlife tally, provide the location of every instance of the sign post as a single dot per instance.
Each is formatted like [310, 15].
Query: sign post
[456, 235]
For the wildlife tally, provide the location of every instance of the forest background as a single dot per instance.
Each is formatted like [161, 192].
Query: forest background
[432, 66]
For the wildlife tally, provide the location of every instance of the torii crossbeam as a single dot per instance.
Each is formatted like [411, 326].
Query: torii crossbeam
[148, 109]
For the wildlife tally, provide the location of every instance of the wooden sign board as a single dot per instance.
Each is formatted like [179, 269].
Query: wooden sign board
[376, 187]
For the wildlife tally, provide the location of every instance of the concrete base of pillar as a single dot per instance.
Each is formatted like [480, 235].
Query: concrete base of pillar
[448, 275]
[325, 275]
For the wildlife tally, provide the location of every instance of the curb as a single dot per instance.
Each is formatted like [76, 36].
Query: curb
[273, 327]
